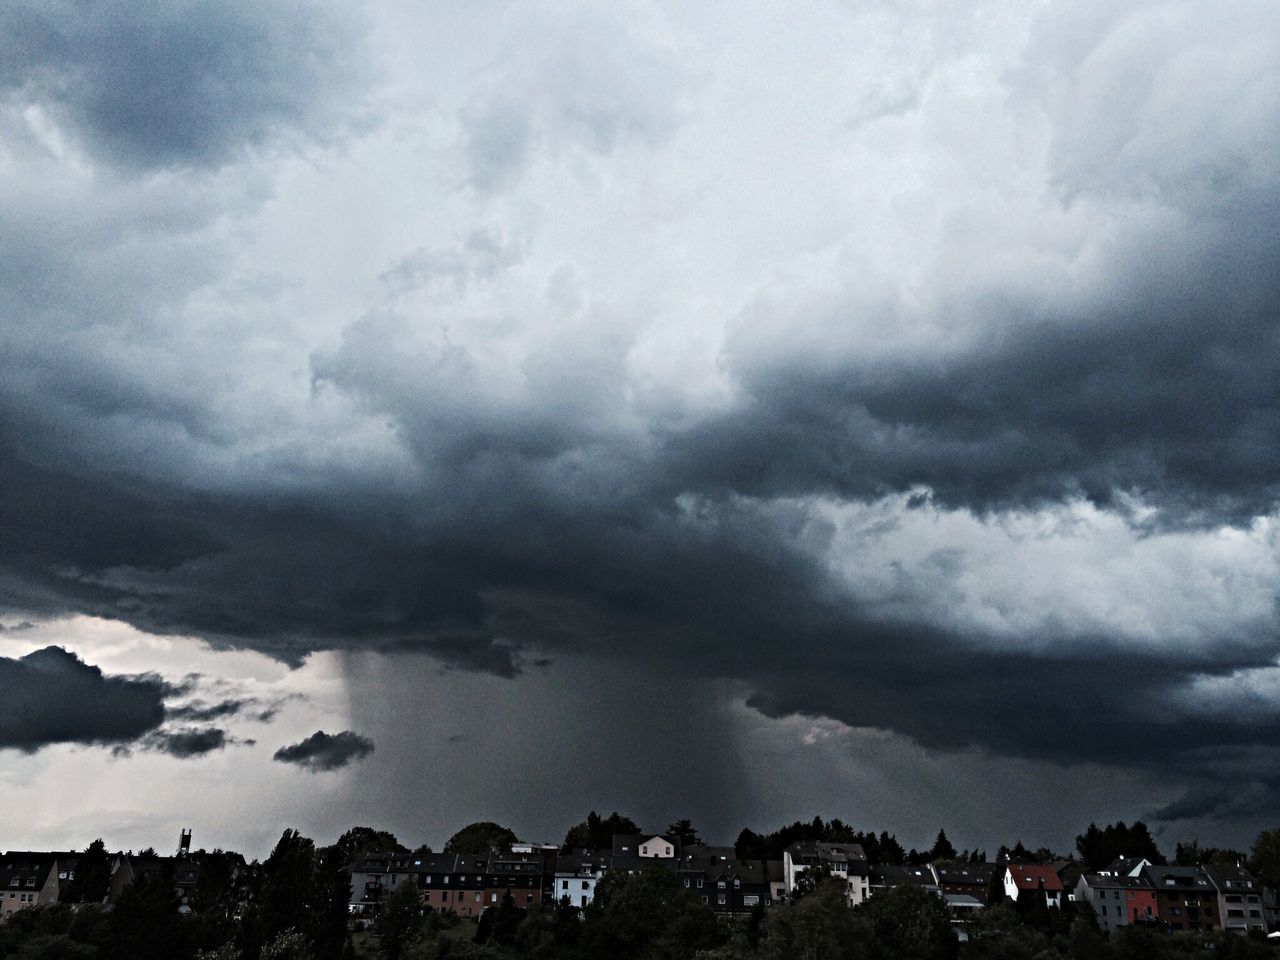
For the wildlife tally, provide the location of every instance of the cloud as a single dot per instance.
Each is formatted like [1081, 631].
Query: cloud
[199, 710]
[324, 751]
[52, 696]
[150, 85]
[189, 742]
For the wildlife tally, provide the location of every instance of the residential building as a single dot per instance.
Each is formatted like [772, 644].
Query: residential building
[1029, 879]
[27, 879]
[969, 879]
[1239, 898]
[1118, 900]
[576, 876]
[646, 846]
[729, 886]
[1186, 898]
[846, 861]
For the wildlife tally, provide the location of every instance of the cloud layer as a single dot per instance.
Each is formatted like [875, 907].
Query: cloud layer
[917, 370]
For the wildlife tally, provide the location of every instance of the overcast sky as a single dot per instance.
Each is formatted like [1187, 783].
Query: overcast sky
[419, 413]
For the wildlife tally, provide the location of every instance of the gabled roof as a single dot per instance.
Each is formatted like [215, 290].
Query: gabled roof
[1029, 876]
[1232, 877]
[1126, 866]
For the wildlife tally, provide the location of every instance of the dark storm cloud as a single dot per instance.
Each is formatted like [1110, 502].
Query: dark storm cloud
[325, 751]
[568, 518]
[188, 743]
[1173, 395]
[200, 711]
[52, 696]
[154, 84]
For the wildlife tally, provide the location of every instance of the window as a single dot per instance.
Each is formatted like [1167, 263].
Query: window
[720, 899]
[493, 898]
[564, 884]
[704, 899]
[528, 898]
[700, 887]
[1104, 909]
[720, 884]
[736, 883]
[478, 896]
[686, 883]
[586, 884]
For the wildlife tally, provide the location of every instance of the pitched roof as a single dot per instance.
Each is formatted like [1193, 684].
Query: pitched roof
[1029, 876]
[973, 874]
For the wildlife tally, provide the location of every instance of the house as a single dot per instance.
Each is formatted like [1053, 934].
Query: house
[962, 906]
[27, 879]
[882, 876]
[729, 886]
[576, 876]
[846, 861]
[970, 879]
[1239, 898]
[525, 871]
[1027, 879]
[776, 877]
[647, 846]
[1069, 873]
[1118, 900]
[454, 882]
[1186, 898]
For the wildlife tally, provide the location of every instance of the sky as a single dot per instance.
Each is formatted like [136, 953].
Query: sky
[413, 414]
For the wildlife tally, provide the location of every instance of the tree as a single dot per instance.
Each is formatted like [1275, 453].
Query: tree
[1098, 848]
[93, 875]
[288, 945]
[1265, 862]
[289, 886]
[596, 832]
[684, 833]
[942, 848]
[399, 921]
[478, 838]
[907, 922]
[361, 841]
[645, 915]
[818, 926]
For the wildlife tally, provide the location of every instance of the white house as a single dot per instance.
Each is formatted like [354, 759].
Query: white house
[846, 861]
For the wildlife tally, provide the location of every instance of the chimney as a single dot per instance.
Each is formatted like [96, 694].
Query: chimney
[184, 842]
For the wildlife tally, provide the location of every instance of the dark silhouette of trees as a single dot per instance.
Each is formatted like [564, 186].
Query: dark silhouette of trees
[478, 838]
[596, 832]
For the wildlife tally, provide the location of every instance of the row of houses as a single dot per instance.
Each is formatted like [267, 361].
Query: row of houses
[1131, 891]
[31, 878]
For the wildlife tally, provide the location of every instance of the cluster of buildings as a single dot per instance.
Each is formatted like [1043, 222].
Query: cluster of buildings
[1130, 891]
[41, 878]
[1205, 898]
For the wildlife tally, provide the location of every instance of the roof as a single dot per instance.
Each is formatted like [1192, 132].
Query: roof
[1126, 865]
[974, 874]
[836, 852]
[1179, 878]
[628, 844]
[1232, 877]
[1029, 876]
[582, 864]
[1102, 881]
